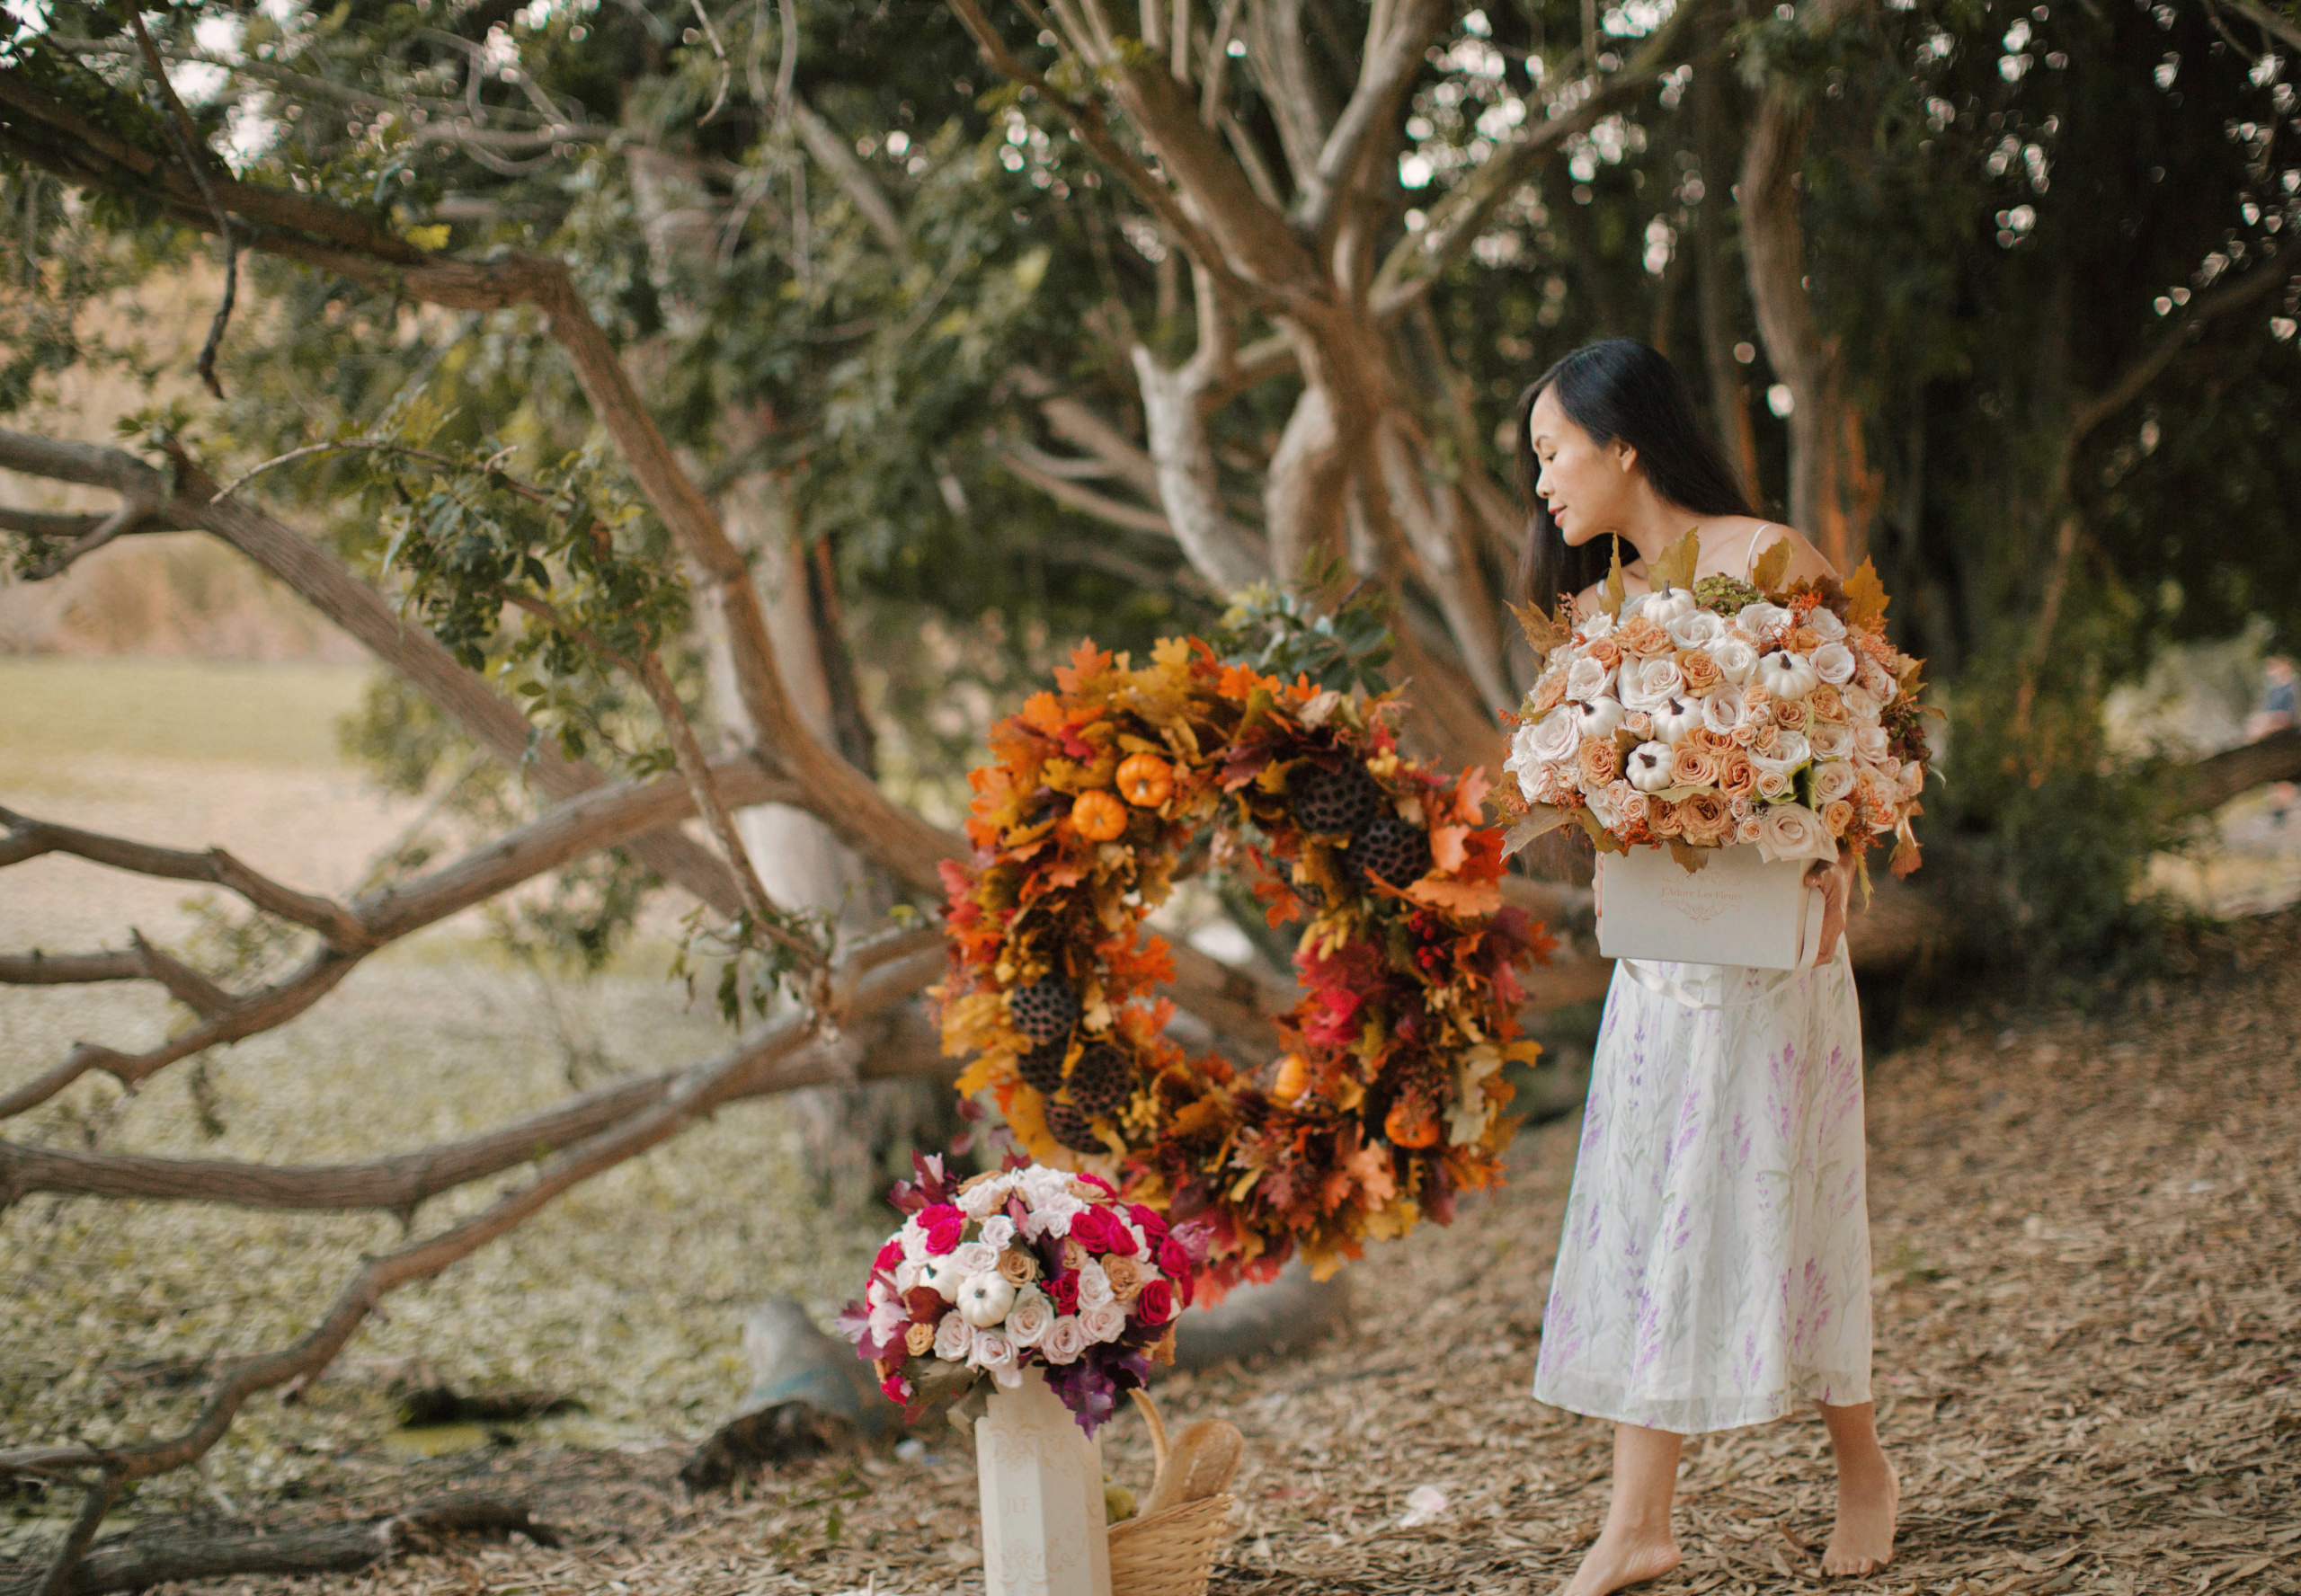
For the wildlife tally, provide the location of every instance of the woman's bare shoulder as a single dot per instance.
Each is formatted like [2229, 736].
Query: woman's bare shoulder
[1746, 546]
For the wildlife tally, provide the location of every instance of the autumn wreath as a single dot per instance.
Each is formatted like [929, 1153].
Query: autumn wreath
[1388, 1096]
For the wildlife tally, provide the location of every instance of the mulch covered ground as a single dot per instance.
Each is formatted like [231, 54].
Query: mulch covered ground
[2089, 1324]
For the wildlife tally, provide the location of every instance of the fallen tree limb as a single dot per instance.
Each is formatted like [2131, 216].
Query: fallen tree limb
[2213, 781]
[171, 1553]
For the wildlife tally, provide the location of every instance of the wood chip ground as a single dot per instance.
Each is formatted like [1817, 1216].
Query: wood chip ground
[2089, 1325]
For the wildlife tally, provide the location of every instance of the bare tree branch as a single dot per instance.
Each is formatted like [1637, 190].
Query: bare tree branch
[908, 1048]
[1398, 35]
[1063, 490]
[835, 155]
[127, 518]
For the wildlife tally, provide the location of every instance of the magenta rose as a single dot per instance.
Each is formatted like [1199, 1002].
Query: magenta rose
[1096, 1180]
[1100, 1230]
[1155, 1305]
[944, 1225]
[1174, 1262]
[1152, 1224]
[895, 1388]
[1062, 1290]
[889, 1255]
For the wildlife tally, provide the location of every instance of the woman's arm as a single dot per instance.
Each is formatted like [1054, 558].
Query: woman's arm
[1836, 882]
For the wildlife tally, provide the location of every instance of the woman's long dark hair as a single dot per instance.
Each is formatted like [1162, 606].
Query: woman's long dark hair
[1620, 388]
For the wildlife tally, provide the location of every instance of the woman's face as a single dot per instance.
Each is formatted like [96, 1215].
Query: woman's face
[1586, 484]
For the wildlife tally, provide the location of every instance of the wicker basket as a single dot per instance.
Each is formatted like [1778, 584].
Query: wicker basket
[1170, 1553]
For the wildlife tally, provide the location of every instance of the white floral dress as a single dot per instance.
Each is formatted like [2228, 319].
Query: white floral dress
[1714, 1270]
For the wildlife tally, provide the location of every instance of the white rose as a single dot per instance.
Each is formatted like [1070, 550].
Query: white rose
[1677, 719]
[1793, 832]
[987, 1198]
[1596, 627]
[1871, 742]
[1787, 676]
[1587, 678]
[985, 1298]
[1737, 659]
[973, 1257]
[1649, 684]
[1557, 734]
[1697, 629]
[1833, 663]
[1063, 1341]
[1833, 781]
[1094, 1286]
[1861, 704]
[1832, 740]
[998, 1233]
[1029, 1321]
[1722, 711]
[1602, 805]
[1103, 1322]
[1874, 678]
[1759, 622]
[953, 1338]
[1597, 718]
[1052, 1215]
[914, 1241]
[1669, 605]
[1825, 624]
[1649, 767]
[994, 1351]
[1913, 781]
[1790, 751]
[1740, 808]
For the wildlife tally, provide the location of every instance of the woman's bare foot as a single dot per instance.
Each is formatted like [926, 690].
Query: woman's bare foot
[1620, 1557]
[1862, 1540]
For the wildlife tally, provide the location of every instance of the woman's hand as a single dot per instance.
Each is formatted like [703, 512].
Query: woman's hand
[1836, 882]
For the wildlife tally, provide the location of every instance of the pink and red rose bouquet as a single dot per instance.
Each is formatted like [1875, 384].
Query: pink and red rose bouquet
[1030, 1268]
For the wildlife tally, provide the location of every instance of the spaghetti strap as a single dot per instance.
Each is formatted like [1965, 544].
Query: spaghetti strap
[1750, 558]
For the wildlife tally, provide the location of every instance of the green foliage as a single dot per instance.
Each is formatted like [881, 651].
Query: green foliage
[1281, 635]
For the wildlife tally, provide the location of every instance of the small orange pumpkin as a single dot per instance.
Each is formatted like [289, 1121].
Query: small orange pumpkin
[1145, 780]
[1412, 1121]
[1099, 817]
[1293, 1078]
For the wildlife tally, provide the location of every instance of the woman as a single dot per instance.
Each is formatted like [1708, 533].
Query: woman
[1714, 1270]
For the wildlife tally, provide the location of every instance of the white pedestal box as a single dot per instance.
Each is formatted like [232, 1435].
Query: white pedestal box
[1043, 1527]
[1737, 910]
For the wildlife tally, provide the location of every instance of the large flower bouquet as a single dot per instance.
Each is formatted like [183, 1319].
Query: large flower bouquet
[1720, 711]
[1032, 1267]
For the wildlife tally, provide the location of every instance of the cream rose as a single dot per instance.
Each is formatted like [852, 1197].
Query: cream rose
[1642, 638]
[1606, 806]
[994, 1352]
[1790, 751]
[998, 1233]
[1825, 624]
[1595, 626]
[1772, 785]
[1557, 734]
[1832, 740]
[974, 1257]
[1031, 1317]
[1833, 663]
[1833, 780]
[1871, 742]
[954, 1337]
[1722, 711]
[1587, 678]
[1793, 832]
[1696, 629]
[1649, 767]
[1737, 659]
[1064, 1340]
[1106, 1321]
[1748, 829]
[1094, 1287]
[1759, 622]
[1649, 684]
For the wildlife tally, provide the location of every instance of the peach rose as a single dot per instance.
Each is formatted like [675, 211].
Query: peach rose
[918, 1338]
[1663, 815]
[1607, 651]
[1599, 761]
[1748, 829]
[1642, 638]
[1826, 704]
[1837, 816]
[1551, 691]
[1745, 735]
[1736, 776]
[1804, 640]
[1768, 739]
[1701, 671]
[1636, 807]
[1125, 1276]
[1691, 766]
[1640, 724]
[1789, 714]
[1018, 1266]
[1740, 808]
[1772, 786]
[1706, 817]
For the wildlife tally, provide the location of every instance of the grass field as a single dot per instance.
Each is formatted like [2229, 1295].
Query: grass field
[60, 707]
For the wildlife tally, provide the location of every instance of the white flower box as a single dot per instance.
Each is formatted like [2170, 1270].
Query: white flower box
[1737, 910]
[1043, 1527]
